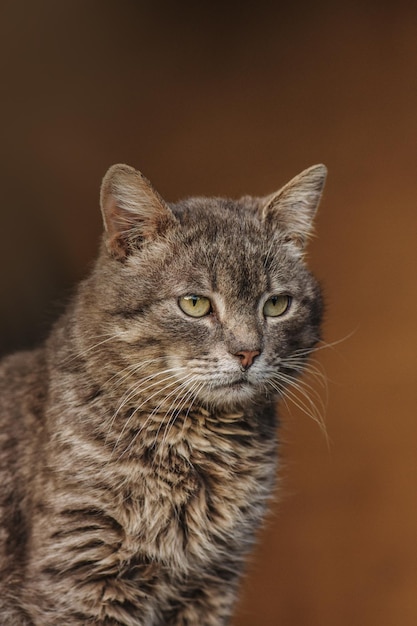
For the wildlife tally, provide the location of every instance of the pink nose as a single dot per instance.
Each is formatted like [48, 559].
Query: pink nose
[247, 357]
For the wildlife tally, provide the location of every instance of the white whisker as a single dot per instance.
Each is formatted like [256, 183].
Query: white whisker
[175, 380]
[175, 408]
[291, 390]
[85, 352]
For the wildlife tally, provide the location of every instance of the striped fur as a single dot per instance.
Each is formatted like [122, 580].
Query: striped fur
[138, 449]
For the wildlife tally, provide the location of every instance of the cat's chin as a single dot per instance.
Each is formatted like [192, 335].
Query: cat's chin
[228, 395]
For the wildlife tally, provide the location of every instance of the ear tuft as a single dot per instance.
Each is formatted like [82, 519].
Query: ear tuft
[292, 208]
[132, 210]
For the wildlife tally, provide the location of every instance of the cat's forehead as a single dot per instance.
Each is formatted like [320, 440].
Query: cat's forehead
[218, 208]
[220, 232]
[216, 245]
[223, 246]
[219, 221]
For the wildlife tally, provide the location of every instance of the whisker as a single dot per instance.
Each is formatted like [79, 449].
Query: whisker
[307, 365]
[175, 409]
[149, 418]
[305, 404]
[83, 353]
[175, 379]
[322, 345]
[301, 387]
[131, 370]
[139, 388]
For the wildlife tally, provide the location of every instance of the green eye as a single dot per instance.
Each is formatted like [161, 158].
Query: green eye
[276, 306]
[195, 306]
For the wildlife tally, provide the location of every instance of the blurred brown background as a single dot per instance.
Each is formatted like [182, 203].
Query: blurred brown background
[229, 100]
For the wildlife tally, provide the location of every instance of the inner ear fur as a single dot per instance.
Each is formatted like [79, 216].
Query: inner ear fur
[132, 210]
[293, 207]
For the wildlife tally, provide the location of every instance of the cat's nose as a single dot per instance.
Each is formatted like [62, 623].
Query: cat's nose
[247, 357]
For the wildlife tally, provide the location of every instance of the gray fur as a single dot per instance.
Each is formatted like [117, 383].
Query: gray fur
[137, 452]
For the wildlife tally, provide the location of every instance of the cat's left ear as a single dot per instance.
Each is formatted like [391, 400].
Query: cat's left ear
[292, 208]
[132, 210]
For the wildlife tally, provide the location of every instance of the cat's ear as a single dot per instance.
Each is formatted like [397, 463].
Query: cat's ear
[132, 210]
[292, 208]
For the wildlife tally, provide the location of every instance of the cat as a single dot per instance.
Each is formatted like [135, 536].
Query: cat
[138, 445]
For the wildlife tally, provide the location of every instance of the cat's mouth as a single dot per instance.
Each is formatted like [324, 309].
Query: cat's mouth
[228, 392]
[237, 384]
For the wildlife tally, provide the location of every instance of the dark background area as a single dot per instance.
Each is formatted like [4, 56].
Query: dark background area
[229, 100]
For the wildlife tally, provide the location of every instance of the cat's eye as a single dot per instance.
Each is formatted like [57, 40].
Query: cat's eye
[195, 306]
[276, 306]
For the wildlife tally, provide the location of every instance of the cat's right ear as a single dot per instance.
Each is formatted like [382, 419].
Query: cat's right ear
[293, 207]
[132, 210]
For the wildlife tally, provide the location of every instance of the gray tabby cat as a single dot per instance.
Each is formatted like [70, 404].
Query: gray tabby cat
[138, 446]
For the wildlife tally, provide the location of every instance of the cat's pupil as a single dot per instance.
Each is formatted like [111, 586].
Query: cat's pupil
[195, 306]
[276, 306]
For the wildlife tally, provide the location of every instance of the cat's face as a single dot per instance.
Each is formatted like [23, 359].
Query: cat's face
[209, 299]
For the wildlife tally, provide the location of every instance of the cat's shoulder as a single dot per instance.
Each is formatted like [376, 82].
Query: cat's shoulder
[23, 376]
[19, 363]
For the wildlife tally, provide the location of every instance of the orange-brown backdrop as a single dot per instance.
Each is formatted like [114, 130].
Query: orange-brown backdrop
[229, 100]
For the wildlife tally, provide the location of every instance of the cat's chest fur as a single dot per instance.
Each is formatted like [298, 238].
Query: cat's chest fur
[191, 497]
[176, 490]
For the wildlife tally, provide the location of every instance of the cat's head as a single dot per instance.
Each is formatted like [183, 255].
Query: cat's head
[209, 299]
